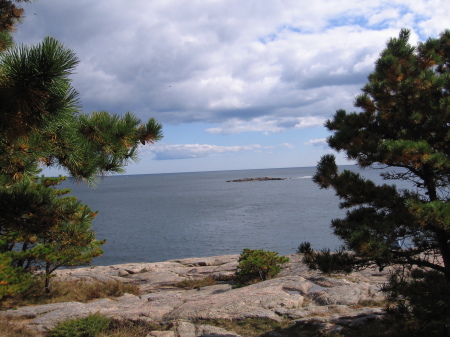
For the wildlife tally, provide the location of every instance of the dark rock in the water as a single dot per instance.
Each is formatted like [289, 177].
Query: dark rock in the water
[254, 179]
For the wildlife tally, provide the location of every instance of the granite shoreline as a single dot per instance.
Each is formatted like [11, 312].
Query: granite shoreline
[297, 294]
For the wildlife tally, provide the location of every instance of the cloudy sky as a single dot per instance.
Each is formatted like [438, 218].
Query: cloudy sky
[237, 84]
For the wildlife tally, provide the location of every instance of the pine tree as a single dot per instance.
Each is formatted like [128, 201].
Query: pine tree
[41, 125]
[403, 126]
[10, 15]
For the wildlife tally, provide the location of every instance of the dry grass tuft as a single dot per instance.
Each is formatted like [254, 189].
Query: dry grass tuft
[197, 283]
[250, 327]
[67, 291]
[126, 328]
[83, 291]
[9, 329]
[371, 303]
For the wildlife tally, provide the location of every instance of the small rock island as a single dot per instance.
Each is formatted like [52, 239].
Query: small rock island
[254, 179]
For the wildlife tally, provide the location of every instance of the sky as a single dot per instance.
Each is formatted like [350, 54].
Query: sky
[236, 84]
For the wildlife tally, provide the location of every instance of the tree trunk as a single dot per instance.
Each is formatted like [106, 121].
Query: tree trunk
[47, 279]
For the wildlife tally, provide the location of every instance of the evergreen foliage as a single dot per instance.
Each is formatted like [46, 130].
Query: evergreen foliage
[257, 265]
[403, 126]
[41, 228]
[10, 15]
[423, 295]
[90, 326]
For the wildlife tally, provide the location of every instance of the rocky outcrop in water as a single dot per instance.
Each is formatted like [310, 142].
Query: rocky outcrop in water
[298, 294]
[254, 179]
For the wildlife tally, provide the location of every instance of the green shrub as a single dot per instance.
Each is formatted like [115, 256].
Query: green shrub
[304, 248]
[258, 265]
[132, 328]
[89, 326]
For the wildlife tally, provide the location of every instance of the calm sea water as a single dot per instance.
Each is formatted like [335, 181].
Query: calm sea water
[149, 218]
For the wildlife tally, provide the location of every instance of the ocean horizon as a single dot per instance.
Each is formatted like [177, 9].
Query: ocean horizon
[161, 216]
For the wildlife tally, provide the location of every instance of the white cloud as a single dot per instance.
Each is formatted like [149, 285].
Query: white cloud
[266, 125]
[256, 65]
[288, 145]
[183, 151]
[322, 142]
[384, 16]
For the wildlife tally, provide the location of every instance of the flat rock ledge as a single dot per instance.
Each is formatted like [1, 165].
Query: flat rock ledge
[298, 294]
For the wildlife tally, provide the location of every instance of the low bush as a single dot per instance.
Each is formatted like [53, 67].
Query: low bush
[90, 326]
[97, 325]
[128, 328]
[250, 327]
[258, 265]
[304, 248]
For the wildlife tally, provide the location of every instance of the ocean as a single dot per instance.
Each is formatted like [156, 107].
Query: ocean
[156, 217]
